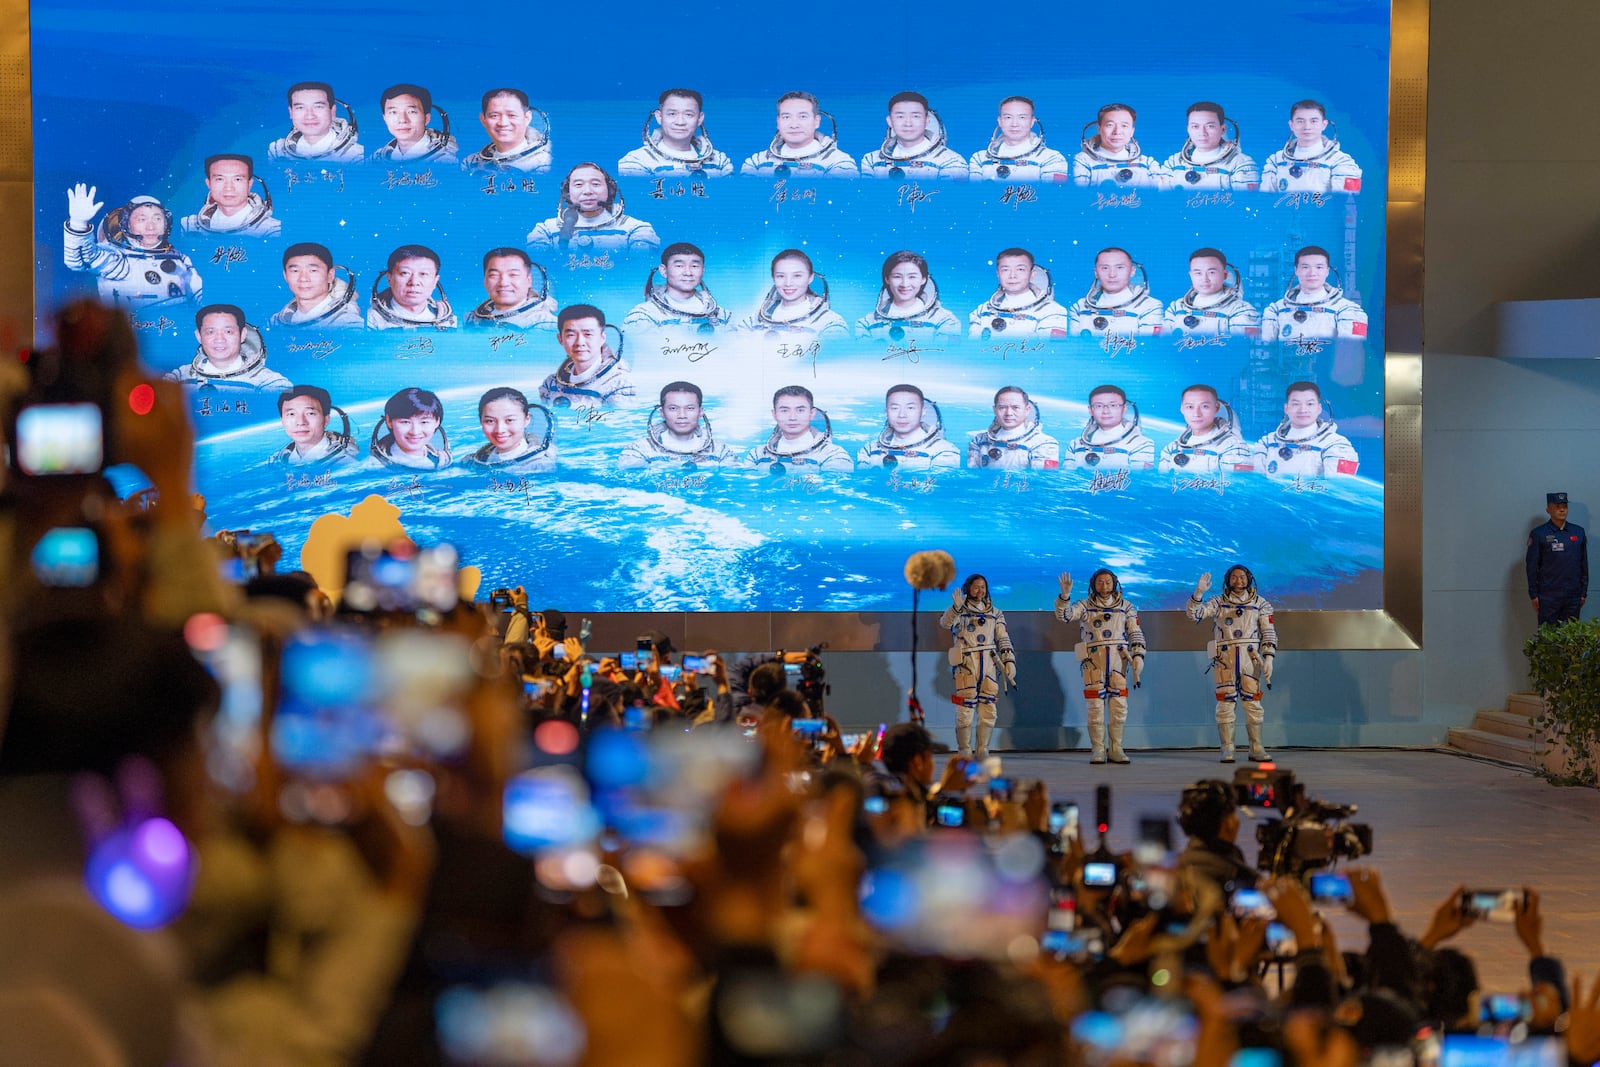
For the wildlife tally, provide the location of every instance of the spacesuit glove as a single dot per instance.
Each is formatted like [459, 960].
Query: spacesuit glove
[1266, 671]
[82, 206]
[1138, 670]
[1011, 672]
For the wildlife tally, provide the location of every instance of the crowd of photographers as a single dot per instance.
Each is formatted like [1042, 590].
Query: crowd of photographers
[243, 823]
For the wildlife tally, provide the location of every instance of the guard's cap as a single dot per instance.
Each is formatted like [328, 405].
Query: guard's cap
[555, 623]
[1555, 498]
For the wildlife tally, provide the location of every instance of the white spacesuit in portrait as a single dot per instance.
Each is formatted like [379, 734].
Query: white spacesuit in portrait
[531, 157]
[1322, 168]
[661, 448]
[1119, 303]
[1112, 439]
[920, 317]
[1314, 451]
[384, 313]
[981, 658]
[337, 309]
[1215, 449]
[316, 131]
[803, 310]
[1030, 161]
[1030, 312]
[801, 440]
[335, 449]
[533, 451]
[1015, 440]
[667, 311]
[608, 382]
[1110, 156]
[1222, 167]
[799, 149]
[304, 411]
[675, 142]
[926, 157]
[434, 146]
[136, 265]
[591, 217]
[252, 219]
[912, 438]
[1223, 314]
[539, 312]
[1242, 647]
[1325, 314]
[1110, 652]
[241, 362]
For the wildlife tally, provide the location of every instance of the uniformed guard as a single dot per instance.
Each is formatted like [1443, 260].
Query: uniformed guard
[1558, 564]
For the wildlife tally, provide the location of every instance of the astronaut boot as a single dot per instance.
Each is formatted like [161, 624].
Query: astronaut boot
[1097, 731]
[964, 738]
[1252, 726]
[984, 730]
[1119, 717]
[1225, 730]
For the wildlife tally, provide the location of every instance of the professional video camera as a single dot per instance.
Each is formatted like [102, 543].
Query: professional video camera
[812, 679]
[1310, 834]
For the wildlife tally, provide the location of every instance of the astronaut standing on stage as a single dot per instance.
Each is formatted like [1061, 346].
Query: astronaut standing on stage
[1210, 442]
[230, 352]
[1017, 152]
[319, 298]
[1015, 440]
[1023, 306]
[677, 434]
[911, 149]
[231, 208]
[591, 217]
[1305, 445]
[1212, 307]
[406, 110]
[318, 132]
[592, 374]
[1111, 439]
[1310, 162]
[1311, 309]
[514, 143]
[1112, 157]
[796, 150]
[1242, 647]
[1114, 306]
[680, 146]
[679, 302]
[512, 303]
[132, 253]
[980, 656]
[1208, 160]
[912, 438]
[1110, 651]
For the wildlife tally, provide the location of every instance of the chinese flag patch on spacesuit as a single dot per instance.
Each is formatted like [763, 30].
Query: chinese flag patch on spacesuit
[1359, 329]
[1348, 466]
[1052, 464]
[1244, 466]
[1056, 335]
[1352, 185]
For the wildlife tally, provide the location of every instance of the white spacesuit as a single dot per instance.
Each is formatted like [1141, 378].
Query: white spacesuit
[611, 230]
[1223, 167]
[1219, 448]
[813, 452]
[338, 145]
[1133, 312]
[1221, 314]
[1243, 644]
[384, 449]
[535, 454]
[813, 317]
[609, 383]
[1110, 650]
[434, 146]
[1326, 169]
[1125, 167]
[1121, 447]
[337, 309]
[1030, 161]
[537, 313]
[653, 159]
[926, 319]
[822, 158]
[131, 275]
[1320, 316]
[1312, 451]
[532, 157]
[926, 448]
[930, 159]
[1027, 314]
[253, 220]
[384, 314]
[664, 311]
[659, 448]
[980, 656]
[252, 370]
[334, 450]
[1024, 447]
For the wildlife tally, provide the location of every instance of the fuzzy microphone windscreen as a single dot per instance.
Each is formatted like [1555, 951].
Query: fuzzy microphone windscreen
[930, 570]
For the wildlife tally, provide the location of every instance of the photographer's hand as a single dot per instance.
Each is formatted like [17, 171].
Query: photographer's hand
[1369, 900]
[1530, 924]
[1448, 920]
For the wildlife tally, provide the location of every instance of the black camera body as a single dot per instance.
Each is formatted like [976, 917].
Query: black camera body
[1310, 835]
[813, 678]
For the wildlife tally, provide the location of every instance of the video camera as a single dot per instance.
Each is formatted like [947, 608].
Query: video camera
[1310, 833]
[813, 685]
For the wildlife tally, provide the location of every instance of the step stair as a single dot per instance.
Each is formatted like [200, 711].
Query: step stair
[1508, 734]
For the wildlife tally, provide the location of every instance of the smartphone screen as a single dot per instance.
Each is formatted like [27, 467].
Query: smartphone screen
[60, 439]
[67, 556]
[950, 814]
[1331, 888]
[694, 664]
[1099, 874]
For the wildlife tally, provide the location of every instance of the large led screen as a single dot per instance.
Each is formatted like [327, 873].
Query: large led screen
[634, 348]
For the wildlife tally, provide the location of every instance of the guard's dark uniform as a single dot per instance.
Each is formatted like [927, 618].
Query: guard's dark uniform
[1558, 570]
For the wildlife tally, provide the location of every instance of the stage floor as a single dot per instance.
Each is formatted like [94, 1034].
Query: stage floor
[1438, 821]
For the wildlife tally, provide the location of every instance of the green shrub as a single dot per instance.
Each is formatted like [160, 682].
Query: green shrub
[1564, 666]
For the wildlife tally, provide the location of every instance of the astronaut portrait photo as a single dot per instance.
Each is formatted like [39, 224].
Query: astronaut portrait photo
[407, 110]
[802, 438]
[677, 434]
[318, 297]
[908, 304]
[232, 207]
[797, 302]
[591, 374]
[1118, 303]
[410, 433]
[1210, 442]
[1307, 443]
[1017, 151]
[408, 294]
[1311, 160]
[515, 142]
[315, 129]
[1024, 305]
[1208, 158]
[230, 352]
[1111, 156]
[130, 252]
[1215, 305]
[800, 149]
[914, 144]
[676, 297]
[1112, 439]
[591, 217]
[518, 291]
[1311, 309]
[1015, 440]
[304, 411]
[912, 438]
[516, 433]
[675, 141]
